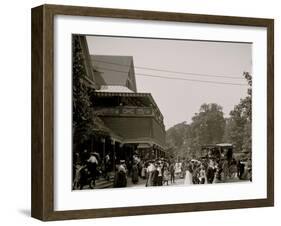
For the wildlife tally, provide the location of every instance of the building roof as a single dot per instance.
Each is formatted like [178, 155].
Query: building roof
[91, 78]
[115, 70]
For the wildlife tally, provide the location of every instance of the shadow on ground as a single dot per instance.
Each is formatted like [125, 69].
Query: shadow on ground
[25, 212]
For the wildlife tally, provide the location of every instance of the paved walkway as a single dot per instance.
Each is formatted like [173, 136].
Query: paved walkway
[102, 183]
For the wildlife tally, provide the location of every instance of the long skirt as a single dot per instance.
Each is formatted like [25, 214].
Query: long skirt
[143, 172]
[188, 178]
[149, 181]
[121, 180]
[155, 178]
[135, 175]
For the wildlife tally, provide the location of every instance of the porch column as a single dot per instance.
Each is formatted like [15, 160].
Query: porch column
[92, 144]
[121, 151]
[113, 154]
[103, 150]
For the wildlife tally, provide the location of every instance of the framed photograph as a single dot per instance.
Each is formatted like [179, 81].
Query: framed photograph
[141, 112]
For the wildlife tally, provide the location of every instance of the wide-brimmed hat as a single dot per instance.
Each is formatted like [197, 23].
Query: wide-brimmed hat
[95, 154]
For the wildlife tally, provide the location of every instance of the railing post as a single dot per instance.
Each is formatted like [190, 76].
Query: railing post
[114, 154]
[103, 150]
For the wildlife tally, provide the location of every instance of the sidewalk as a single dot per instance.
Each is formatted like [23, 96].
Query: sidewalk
[141, 182]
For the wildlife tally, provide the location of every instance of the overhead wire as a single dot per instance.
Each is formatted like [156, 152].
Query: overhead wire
[171, 71]
[177, 78]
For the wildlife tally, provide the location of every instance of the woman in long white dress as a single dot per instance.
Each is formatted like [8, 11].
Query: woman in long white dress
[177, 169]
[188, 177]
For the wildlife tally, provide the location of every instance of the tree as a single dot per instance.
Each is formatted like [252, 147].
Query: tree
[82, 113]
[239, 128]
[175, 138]
[207, 126]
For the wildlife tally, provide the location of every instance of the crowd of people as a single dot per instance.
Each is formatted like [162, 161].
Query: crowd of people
[85, 169]
[161, 172]
[157, 172]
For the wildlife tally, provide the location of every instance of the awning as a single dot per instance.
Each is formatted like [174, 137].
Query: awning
[101, 129]
[142, 146]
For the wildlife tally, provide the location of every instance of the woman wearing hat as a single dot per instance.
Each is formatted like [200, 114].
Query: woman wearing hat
[188, 176]
[120, 176]
[135, 173]
[150, 170]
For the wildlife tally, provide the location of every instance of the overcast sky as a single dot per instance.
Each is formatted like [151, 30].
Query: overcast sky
[179, 100]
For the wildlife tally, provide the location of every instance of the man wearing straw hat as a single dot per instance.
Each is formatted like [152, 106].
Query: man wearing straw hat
[92, 165]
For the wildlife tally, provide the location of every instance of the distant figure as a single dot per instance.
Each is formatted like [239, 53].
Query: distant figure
[177, 168]
[196, 175]
[172, 173]
[216, 177]
[202, 175]
[160, 175]
[143, 171]
[155, 176]
[150, 170]
[210, 174]
[188, 176]
[240, 169]
[121, 177]
[106, 166]
[84, 178]
[92, 166]
[77, 178]
[166, 176]
[183, 169]
[135, 173]
[247, 174]
[129, 167]
[225, 172]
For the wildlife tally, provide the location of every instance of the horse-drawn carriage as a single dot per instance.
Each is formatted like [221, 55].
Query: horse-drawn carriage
[218, 151]
[222, 156]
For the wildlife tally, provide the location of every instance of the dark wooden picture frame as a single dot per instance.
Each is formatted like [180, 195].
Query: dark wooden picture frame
[42, 203]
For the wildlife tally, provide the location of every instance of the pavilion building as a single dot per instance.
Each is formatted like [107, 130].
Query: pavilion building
[126, 122]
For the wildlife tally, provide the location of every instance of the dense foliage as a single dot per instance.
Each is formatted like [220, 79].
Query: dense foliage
[82, 114]
[239, 129]
[209, 126]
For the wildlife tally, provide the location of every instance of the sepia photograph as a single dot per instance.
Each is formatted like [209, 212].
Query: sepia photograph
[151, 112]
